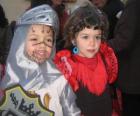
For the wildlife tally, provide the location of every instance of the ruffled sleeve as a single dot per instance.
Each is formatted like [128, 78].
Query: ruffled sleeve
[67, 66]
[110, 62]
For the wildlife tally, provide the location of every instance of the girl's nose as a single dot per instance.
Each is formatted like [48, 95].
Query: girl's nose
[92, 41]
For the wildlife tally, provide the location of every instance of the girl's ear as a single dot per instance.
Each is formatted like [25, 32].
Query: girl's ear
[73, 42]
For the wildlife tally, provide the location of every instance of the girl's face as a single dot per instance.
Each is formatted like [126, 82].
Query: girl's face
[88, 42]
[39, 43]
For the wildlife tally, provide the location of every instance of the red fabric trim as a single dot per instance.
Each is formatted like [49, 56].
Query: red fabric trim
[111, 62]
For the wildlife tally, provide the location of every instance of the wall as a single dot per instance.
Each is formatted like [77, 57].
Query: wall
[14, 8]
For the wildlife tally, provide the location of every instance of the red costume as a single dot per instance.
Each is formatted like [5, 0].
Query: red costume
[93, 73]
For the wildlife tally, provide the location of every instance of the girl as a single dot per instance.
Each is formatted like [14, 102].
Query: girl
[30, 61]
[93, 65]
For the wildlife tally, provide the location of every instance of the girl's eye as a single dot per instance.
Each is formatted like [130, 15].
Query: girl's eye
[85, 37]
[98, 37]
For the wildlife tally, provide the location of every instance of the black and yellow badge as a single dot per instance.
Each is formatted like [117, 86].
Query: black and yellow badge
[16, 102]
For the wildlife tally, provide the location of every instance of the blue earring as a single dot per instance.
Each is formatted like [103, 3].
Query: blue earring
[75, 50]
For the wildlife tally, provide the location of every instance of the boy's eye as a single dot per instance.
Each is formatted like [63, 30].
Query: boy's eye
[49, 40]
[33, 39]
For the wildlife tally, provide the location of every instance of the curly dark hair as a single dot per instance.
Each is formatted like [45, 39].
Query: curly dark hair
[86, 16]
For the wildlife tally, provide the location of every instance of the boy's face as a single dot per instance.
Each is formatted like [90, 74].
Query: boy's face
[88, 42]
[39, 43]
